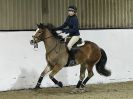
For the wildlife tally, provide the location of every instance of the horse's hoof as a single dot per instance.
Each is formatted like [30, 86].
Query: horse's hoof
[78, 90]
[37, 87]
[75, 91]
[82, 85]
[60, 84]
[82, 90]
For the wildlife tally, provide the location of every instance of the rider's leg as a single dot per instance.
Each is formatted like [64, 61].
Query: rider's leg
[73, 40]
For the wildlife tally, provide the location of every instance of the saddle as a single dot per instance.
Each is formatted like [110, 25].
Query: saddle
[74, 50]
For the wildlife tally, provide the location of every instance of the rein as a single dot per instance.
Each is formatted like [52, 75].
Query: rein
[36, 45]
[48, 37]
[51, 36]
[54, 46]
[52, 49]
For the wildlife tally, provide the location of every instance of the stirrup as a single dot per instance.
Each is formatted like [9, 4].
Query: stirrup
[72, 62]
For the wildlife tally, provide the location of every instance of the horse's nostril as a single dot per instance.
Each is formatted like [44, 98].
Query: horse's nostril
[32, 42]
[33, 36]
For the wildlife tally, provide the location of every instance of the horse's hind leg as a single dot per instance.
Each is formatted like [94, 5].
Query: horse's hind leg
[82, 75]
[90, 74]
[46, 70]
[55, 70]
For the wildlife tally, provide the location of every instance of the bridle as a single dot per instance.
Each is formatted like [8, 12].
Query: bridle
[49, 36]
[35, 44]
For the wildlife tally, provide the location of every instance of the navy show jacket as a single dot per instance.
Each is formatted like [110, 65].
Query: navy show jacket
[72, 24]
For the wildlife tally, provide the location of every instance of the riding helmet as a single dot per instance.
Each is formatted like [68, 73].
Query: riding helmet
[72, 7]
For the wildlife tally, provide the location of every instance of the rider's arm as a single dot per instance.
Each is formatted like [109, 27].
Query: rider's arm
[62, 26]
[75, 27]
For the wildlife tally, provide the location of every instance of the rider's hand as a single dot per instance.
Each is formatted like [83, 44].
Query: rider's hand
[54, 29]
[64, 31]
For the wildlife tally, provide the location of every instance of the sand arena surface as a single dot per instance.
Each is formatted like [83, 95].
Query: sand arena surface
[99, 91]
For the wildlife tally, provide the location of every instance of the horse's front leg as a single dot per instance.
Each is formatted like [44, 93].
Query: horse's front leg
[55, 70]
[45, 71]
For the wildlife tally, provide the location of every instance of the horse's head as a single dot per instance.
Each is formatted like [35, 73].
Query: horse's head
[44, 32]
[38, 34]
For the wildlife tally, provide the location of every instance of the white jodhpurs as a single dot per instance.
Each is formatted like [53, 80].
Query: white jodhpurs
[72, 41]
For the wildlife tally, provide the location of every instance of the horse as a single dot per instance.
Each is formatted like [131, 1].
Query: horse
[87, 56]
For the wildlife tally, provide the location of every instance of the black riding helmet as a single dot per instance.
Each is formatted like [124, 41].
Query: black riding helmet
[72, 8]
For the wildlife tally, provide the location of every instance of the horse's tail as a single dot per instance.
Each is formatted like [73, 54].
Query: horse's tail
[100, 66]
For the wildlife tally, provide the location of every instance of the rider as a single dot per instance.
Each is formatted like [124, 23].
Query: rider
[73, 30]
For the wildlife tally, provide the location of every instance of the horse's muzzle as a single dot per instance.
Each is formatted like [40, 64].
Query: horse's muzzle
[32, 42]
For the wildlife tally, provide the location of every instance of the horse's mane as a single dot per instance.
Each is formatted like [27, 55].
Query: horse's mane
[51, 28]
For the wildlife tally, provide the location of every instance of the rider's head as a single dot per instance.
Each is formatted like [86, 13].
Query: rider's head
[72, 10]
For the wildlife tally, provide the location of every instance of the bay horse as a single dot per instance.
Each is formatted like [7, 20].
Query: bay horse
[87, 56]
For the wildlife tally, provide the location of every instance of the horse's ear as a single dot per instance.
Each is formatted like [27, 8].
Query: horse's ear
[37, 25]
[40, 25]
[50, 26]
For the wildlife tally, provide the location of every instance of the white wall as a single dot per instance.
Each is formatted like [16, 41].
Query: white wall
[21, 65]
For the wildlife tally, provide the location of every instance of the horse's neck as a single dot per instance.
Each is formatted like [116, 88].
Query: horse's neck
[50, 42]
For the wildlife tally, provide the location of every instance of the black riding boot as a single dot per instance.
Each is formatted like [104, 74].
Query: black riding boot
[72, 57]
